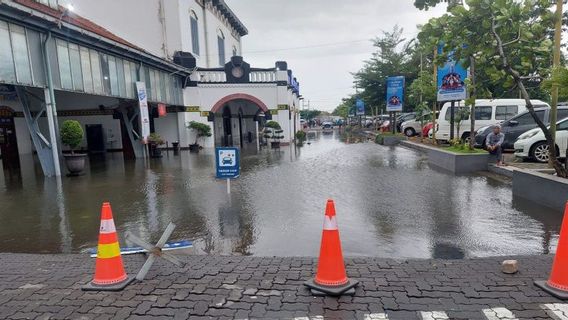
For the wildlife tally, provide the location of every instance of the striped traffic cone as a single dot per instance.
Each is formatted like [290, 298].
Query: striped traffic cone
[557, 284]
[109, 269]
[331, 278]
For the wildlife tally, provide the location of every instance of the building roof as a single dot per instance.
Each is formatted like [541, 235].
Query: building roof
[231, 16]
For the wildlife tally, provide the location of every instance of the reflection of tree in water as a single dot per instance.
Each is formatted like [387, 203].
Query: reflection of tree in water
[445, 221]
[551, 220]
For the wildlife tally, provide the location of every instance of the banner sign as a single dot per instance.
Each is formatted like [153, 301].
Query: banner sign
[395, 93]
[451, 80]
[359, 107]
[144, 115]
[227, 163]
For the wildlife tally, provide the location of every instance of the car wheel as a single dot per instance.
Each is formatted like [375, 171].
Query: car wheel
[539, 152]
[409, 132]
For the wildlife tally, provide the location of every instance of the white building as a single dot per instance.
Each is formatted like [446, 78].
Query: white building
[58, 64]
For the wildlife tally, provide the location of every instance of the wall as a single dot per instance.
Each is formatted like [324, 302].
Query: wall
[167, 128]
[143, 28]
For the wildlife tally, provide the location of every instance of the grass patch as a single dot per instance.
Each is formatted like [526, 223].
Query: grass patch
[464, 149]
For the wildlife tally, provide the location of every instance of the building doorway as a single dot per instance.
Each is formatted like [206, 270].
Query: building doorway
[227, 127]
[8, 139]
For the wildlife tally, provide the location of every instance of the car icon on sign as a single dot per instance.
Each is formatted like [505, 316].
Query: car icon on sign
[227, 160]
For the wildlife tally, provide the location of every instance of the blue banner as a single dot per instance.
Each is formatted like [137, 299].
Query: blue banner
[395, 93]
[451, 80]
[359, 107]
[227, 163]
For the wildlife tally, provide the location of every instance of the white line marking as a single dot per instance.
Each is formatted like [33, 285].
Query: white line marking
[376, 316]
[498, 314]
[433, 315]
[316, 318]
[558, 311]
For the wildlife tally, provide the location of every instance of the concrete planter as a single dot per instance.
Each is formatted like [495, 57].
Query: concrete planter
[457, 163]
[75, 163]
[544, 189]
[391, 140]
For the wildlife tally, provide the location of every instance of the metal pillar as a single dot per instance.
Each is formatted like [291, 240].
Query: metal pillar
[137, 146]
[48, 158]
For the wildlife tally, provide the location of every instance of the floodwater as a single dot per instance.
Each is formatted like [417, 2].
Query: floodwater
[389, 203]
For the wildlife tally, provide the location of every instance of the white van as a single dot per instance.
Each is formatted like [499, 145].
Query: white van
[487, 113]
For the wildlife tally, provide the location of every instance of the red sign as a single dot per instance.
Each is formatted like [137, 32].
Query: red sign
[161, 110]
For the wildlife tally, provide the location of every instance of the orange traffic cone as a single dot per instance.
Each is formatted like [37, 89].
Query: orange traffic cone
[331, 278]
[109, 270]
[557, 284]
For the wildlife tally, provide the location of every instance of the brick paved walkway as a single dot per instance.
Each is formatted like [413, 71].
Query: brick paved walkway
[212, 287]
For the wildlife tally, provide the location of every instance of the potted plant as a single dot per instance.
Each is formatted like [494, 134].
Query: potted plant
[273, 133]
[300, 137]
[154, 140]
[72, 134]
[201, 130]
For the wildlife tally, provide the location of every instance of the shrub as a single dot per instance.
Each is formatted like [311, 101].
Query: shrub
[300, 136]
[203, 130]
[71, 134]
[155, 139]
[273, 124]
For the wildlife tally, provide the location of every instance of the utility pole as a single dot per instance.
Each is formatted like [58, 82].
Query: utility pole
[555, 66]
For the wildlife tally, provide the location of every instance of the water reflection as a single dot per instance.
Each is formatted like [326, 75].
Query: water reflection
[389, 204]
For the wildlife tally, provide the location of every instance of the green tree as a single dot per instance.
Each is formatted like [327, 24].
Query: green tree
[508, 39]
[395, 56]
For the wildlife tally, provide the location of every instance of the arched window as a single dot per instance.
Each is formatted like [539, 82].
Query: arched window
[221, 47]
[235, 52]
[194, 32]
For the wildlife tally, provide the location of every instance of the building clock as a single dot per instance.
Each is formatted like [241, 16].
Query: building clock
[238, 72]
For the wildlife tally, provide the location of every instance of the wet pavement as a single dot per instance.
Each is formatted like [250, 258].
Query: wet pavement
[229, 287]
[389, 204]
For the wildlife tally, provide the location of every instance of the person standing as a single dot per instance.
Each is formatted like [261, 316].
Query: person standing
[494, 142]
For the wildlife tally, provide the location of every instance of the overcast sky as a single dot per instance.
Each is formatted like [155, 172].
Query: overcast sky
[322, 40]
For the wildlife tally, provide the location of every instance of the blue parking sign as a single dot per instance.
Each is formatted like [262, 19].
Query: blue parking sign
[227, 162]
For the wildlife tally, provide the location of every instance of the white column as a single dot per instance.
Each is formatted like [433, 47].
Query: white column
[51, 118]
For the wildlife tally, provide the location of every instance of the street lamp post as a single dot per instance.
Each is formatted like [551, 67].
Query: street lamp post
[555, 65]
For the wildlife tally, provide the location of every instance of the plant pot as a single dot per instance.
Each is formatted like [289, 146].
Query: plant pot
[175, 146]
[155, 152]
[275, 144]
[75, 163]
[194, 147]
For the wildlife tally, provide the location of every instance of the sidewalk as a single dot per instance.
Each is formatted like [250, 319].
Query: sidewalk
[214, 287]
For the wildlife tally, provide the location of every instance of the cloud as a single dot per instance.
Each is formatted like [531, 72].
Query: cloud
[323, 41]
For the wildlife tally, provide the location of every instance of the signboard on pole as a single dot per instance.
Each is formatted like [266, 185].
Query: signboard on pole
[227, 163]
[451, 80]
[144, 115]
[395, 93]
[359, 107]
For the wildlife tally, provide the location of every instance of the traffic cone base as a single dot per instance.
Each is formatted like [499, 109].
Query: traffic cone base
[347, 289]
[108, 287]
[560, 294]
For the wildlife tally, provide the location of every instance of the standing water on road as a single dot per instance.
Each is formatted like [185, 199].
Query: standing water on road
[389, 204]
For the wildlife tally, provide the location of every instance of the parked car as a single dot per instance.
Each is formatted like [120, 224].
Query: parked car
[427, 128]
[327, 127]
[487, 113]
[403, 118]
[412, 127]
[518, 125]
[532, 144]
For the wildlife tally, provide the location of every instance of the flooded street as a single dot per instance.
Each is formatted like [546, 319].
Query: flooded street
[389, 204]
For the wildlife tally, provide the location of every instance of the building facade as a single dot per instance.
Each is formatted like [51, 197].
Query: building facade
[81, 59]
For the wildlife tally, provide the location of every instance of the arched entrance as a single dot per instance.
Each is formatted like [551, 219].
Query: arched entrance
[8, 139]
[236, 119]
